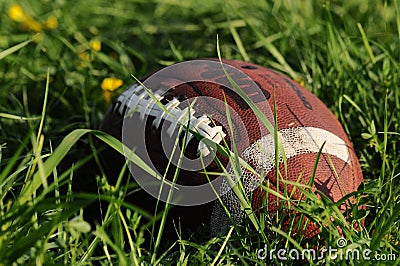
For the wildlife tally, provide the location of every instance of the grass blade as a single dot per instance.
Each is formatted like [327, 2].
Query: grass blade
[14, 49]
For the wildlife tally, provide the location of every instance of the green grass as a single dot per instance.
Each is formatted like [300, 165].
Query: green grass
[51, 103]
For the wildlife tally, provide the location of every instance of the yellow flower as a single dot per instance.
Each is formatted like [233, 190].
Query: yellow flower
[95, 45]
[32, 25]
[51, 23]
[16, 13]
[107, 95]
[109, 85]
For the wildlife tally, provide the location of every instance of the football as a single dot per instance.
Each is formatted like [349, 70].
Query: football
[179, 113]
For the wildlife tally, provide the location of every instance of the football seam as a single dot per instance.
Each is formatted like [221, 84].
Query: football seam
[261, 156]
[137, 100]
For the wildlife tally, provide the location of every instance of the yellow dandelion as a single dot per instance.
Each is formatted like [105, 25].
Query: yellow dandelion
[51, 23]
[107, 95]
[32, 25]
[109, 85]
[16, 13]
[95, 45]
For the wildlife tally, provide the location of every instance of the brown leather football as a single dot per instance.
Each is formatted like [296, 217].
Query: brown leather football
[305, 124]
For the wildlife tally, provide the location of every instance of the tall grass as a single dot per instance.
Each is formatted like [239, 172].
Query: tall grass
[51, 103]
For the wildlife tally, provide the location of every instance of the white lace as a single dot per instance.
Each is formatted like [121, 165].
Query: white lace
[137, 99]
